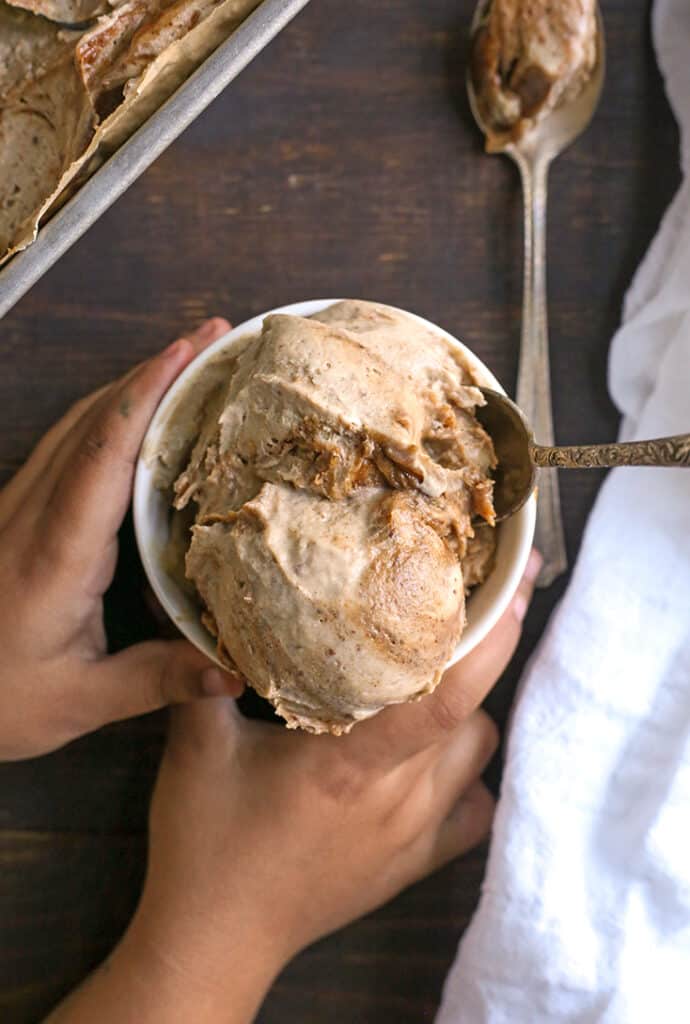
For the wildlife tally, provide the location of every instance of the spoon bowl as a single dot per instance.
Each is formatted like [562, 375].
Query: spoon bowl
[518, 455]
[552, 133]
[515, 474]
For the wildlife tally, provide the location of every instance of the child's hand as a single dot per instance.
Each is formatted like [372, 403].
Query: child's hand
[262, 840]
[59, 519]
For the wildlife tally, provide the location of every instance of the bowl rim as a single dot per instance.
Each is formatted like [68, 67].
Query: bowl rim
[524, 520]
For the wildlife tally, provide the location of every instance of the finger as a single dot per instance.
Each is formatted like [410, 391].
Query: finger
[48, 459]
[152, 675]
[208, 332]
[461, 761]
[401, 731]
[64, 454]
[14, 493]
[92, 493]
[202, 726]
[467, 824]
[54, 451]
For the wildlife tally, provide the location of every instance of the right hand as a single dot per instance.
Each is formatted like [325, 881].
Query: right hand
[262, 840]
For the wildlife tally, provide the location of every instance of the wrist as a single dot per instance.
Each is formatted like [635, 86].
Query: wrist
[193, 971]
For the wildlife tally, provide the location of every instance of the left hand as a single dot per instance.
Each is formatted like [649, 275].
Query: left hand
[59, 519]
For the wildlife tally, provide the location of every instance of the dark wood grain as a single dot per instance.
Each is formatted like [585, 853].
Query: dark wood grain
[64, 898]
[342, 162]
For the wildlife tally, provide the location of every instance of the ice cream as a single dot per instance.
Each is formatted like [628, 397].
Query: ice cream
[336, 472]
[70, 95]
[529, 57]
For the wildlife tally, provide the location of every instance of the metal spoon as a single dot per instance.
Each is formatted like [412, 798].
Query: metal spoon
[533, 154]
[519, 455]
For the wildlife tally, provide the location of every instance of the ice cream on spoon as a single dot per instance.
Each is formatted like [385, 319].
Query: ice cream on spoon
[530, 57]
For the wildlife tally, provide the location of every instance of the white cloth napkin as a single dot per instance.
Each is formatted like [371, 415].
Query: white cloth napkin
[585, 911]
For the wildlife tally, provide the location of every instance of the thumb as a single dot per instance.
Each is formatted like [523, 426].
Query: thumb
[203, 727]
[152, 675]
[467, 824]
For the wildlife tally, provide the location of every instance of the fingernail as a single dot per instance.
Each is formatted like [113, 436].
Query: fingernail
[207, 330]
[174, 349]
[520, 606]
[534, 564]
[215, 683]
[521, 600]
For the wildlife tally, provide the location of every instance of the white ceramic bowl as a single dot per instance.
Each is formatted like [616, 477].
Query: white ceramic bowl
[487, 602]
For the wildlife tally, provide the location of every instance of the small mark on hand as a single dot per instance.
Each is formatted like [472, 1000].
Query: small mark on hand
[125, 406]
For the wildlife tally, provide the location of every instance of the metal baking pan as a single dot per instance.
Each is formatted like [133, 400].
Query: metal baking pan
[148, 142]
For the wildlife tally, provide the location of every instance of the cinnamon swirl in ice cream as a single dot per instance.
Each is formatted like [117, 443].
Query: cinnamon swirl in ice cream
[529, 57]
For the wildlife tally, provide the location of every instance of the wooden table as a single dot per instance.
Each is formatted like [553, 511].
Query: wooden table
[342, 162]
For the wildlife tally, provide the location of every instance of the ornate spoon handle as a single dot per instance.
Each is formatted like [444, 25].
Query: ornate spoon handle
[663, 451]
[534, 376]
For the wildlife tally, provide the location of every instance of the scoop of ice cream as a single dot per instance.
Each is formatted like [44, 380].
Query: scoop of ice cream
[45, 115]
[478, 560]
[329, 409]
[64, 12]
[332, 609]
[527, 58]
[337, 470]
